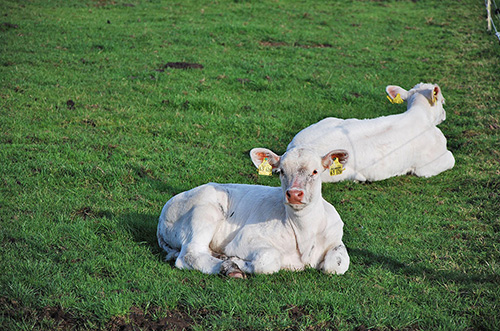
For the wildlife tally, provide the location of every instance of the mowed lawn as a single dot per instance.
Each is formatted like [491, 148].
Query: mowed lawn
[109, 108]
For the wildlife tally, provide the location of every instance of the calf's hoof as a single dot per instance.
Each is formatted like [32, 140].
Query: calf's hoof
[230, 269]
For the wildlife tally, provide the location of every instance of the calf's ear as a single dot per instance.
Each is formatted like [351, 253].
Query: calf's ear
[340, 154]
[259, 154]
[393, 91]
[436, 92]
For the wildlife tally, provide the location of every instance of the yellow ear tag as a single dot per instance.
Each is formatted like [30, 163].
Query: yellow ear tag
[397, 99]
[434, 96]
[265, 169]
[336, 168]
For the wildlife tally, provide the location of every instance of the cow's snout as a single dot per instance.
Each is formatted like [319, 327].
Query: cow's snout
[294, 196]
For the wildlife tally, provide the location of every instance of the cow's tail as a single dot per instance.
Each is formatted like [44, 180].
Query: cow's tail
[172, 253]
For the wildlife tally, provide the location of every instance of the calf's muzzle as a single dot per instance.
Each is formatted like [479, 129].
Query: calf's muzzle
[294, 196]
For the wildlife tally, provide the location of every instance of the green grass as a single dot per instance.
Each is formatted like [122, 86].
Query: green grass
[96, 135]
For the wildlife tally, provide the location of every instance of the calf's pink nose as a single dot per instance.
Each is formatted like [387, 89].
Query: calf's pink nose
[294, 196]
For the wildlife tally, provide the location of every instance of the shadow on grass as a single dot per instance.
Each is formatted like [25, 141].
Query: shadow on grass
[142, 228]
[367, 258]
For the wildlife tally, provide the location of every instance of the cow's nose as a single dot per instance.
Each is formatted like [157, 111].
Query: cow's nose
[294, 196]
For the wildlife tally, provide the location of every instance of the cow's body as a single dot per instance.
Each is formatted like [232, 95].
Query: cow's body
[379, 148]
[259, 229]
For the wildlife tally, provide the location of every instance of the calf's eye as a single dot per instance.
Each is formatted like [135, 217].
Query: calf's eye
[315, 172]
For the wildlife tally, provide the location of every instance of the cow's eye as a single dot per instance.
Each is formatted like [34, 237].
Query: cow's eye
[315, 172]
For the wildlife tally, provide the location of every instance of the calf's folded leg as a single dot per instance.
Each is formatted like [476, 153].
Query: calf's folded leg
[436, 164]
[195, 252]
[336, 260]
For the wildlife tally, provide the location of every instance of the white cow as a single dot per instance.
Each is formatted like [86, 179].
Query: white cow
[236, 229]
[379, 148]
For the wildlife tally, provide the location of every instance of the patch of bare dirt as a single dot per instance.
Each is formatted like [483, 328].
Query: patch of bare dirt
[138, 320]
[70, 104]
[56, 316]
[183, 65]
[273, 43]
[154, 319]
[299, 314]
[7, 26]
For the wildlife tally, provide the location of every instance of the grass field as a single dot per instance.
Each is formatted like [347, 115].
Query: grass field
[97, 133]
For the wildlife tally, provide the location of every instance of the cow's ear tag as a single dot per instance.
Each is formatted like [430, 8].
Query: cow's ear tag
[336, 168]
[434, 96]
[265, 169]
[396, 99]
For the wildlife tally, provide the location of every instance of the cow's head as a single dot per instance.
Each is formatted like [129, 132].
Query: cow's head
[300, 172]
[429, 95]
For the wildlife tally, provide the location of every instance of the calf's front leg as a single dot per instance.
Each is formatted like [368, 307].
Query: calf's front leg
[261, 260]
[336, 260]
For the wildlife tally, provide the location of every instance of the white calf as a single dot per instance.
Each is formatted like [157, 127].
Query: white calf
[379, 148]
[237, 229]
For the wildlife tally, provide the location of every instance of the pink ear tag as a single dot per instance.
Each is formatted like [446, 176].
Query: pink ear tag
[336, 168]
[265, 169]
[397, 99]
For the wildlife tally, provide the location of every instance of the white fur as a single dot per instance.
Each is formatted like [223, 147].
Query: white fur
[257, 227]
[379, 148]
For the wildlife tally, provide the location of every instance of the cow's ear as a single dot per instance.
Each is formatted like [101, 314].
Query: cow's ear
[393, 91]
[340, 154]
[259, 154]
[435, 95]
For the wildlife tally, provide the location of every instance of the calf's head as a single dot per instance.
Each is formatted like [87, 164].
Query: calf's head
[300, 172]
[428, 95]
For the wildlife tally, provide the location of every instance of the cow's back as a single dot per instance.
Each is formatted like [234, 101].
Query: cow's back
[230, 206]
[378, 148]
